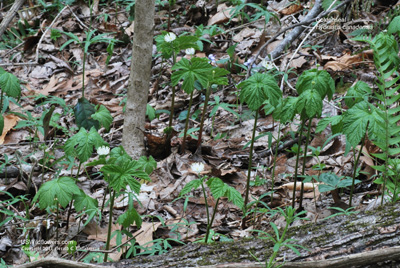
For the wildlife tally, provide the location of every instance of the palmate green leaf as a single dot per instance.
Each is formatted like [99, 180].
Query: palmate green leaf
[165, 48]
[83, 112]
[119, 155]
[9, 84]
[148, 164]
[360, 91]
[191, 185]
[180, 43]
[124, 174]
[286, 110]
[320, 80]
[103, 115]
[186, 41]
[83, 201]
[310, 103]
[259, 88]
[83, 143]
[324, 122]
[189, 71]
[355, 122]
[217, 187]
[62, 188]
[218, 76]
[220, 189]
[129, 217]
[235, 197]
[394, 26]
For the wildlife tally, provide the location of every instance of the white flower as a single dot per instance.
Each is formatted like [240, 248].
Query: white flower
[103, 150]
[190, 51]
[197, 167]
[267, 64]
[169, 37]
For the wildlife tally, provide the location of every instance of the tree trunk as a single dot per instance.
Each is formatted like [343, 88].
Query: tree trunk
[133, 138]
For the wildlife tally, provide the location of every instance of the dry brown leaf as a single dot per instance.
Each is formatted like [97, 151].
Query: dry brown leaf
[347, 61]
[100, 234]
[222, 15]
[244, 33]
[291, 9]
[145, 235]
[10, 121]
[50, 87]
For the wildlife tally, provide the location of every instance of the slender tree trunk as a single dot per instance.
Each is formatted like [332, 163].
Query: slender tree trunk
[133, 138]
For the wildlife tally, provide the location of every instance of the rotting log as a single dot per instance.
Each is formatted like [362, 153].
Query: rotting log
[368, 239]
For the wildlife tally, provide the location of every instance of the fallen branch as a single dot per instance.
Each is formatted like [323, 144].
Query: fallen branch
[359, 259]
[298, 29]
[10, 15]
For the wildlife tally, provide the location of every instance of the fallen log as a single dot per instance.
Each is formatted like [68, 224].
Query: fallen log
[368, 240]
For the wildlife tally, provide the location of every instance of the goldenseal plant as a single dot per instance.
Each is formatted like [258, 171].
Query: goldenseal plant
[170, 45]
[197, 73]
[218, 189]
[257, 90]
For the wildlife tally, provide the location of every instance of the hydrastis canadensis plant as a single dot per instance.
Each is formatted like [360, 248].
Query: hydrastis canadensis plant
[218, 189]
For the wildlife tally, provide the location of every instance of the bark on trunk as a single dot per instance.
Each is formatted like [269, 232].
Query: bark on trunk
[133, 138]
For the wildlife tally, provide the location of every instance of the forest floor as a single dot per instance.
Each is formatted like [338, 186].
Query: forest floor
[232, 34]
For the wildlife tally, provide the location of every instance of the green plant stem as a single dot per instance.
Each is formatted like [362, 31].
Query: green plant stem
[207, 210]
[355, 169]
[69, 214]
[212, 220]
[297, 162]
[274, 165]
[171, 114]
[1, 100]
[83, 73]
[205, 106]
[246, 199]
[304, 163]
[187, 123]
[57, 220]
[109, 225]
